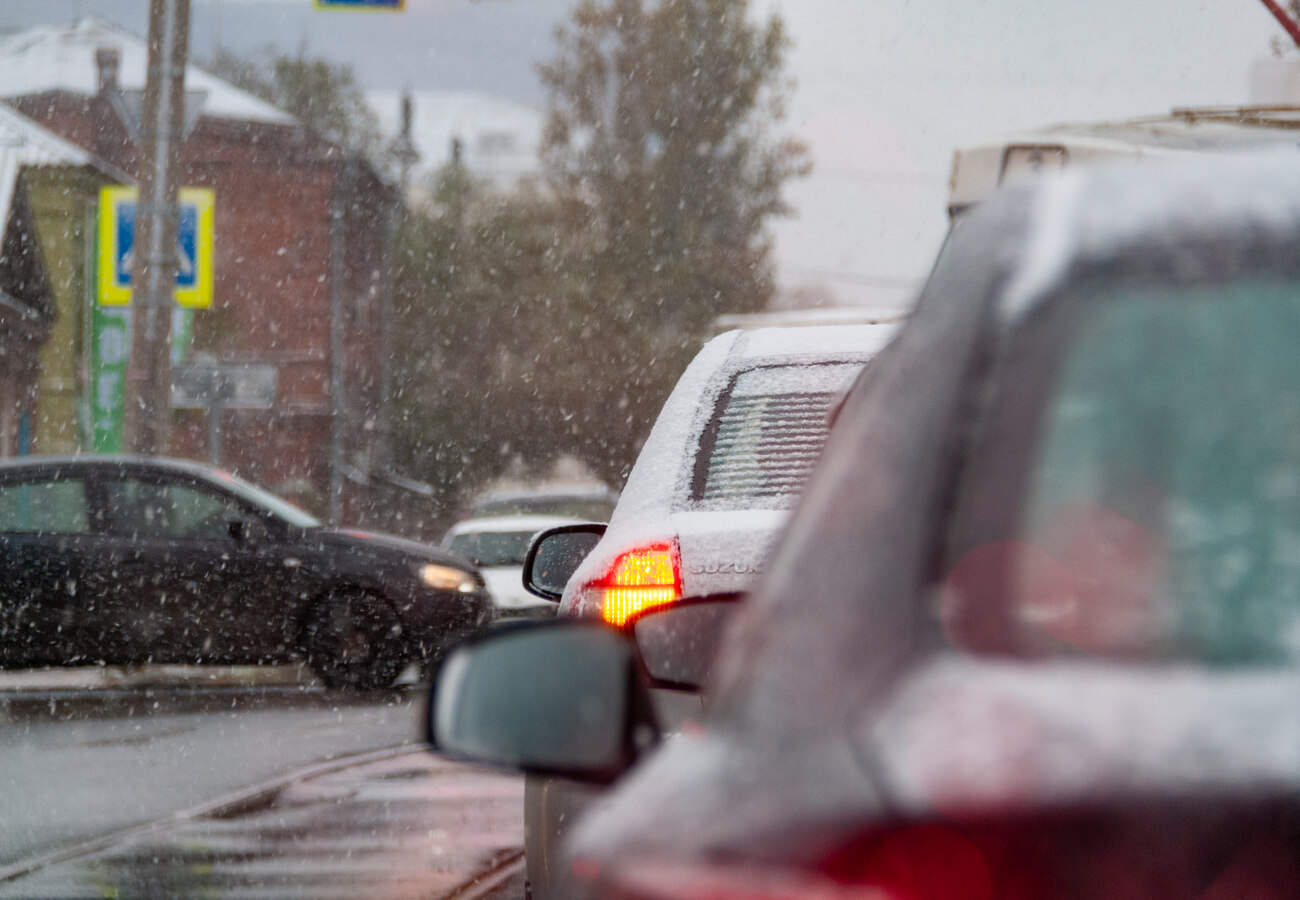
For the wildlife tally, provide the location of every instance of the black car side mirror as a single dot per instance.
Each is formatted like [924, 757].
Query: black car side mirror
[554, 698]
[555, 554]
[248, 530]
[679, 641]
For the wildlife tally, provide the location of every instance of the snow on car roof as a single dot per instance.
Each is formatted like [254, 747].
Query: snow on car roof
[823, 341]
[1176, 213]
[510, 524]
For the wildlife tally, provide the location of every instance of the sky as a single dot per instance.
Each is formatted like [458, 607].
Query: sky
[882, 91]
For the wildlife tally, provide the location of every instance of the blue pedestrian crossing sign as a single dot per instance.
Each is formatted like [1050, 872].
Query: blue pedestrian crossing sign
[118, 207]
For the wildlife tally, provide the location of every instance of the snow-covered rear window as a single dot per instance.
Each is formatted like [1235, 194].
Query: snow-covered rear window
[768, 431]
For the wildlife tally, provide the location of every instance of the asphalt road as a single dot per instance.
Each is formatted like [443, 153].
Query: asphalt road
[403, 826]
[173, 790]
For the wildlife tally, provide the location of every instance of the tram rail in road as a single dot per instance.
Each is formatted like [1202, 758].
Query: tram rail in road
[397, 823]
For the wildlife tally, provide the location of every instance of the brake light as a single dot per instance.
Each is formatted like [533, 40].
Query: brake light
[638, 580]
[1180, 850]
[920, 862]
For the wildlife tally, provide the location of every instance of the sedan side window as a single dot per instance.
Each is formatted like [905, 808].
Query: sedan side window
[145, 509]
[50, 507]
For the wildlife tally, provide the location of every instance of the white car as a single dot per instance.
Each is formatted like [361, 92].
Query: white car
[714, 483]
[722, 467]
[497, 545]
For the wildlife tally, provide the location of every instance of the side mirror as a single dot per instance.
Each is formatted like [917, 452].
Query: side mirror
[248, 530]
[679, 641]
[555, 554]
[554, 698]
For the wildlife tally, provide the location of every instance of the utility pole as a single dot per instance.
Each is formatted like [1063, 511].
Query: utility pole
[338, 402]
[153, 277]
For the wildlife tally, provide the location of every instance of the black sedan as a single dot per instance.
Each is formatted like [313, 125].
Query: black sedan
[119, 560]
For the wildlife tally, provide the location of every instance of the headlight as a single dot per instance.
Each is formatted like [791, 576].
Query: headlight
[447, 578]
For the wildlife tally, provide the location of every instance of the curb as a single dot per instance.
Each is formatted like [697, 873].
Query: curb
[56, 680]
[100, 678]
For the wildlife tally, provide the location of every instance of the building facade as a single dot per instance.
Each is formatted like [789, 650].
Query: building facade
[301, 292]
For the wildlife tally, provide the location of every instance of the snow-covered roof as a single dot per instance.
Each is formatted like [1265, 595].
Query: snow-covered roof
[25, 143]
[62, 57]
[826, 342]
[498, 137]
[1177, 215]
[511, 524]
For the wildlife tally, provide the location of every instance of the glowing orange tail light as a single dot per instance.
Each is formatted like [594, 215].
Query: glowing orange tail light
[638, 580]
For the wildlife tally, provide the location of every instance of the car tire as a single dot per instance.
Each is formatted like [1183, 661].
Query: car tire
[353, 640]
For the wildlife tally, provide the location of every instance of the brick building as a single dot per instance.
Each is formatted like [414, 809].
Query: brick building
[300, 259]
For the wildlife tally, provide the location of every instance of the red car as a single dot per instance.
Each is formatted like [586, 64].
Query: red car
[1034, 628]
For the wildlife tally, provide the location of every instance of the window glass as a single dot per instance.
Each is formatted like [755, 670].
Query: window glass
[493, 548]
[769, 433]
[55, 507]
[143, 509]
[579, 506]
[1162, 512]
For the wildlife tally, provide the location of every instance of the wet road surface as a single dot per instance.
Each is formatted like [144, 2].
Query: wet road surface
[162, 785]
[399, 827]
[76, 767]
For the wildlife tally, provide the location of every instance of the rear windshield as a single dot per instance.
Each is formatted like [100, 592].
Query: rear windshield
[769, 429]
[492, 548]
[1160, 516]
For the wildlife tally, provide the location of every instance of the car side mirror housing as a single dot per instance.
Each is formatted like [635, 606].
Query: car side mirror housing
[554, 698]
[248, 530]
[679, 641]
[555, 554]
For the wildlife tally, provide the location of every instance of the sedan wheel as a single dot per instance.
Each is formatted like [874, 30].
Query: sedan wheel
[354, 640]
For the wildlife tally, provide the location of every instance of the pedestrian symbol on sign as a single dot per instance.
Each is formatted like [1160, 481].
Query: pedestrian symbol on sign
[186, 246]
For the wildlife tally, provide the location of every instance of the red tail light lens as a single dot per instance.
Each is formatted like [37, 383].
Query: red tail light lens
[638, 580]
[1209, 849]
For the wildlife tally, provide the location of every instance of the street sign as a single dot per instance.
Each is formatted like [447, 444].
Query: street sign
[229, 386]
[394, 5]
[117, 218]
